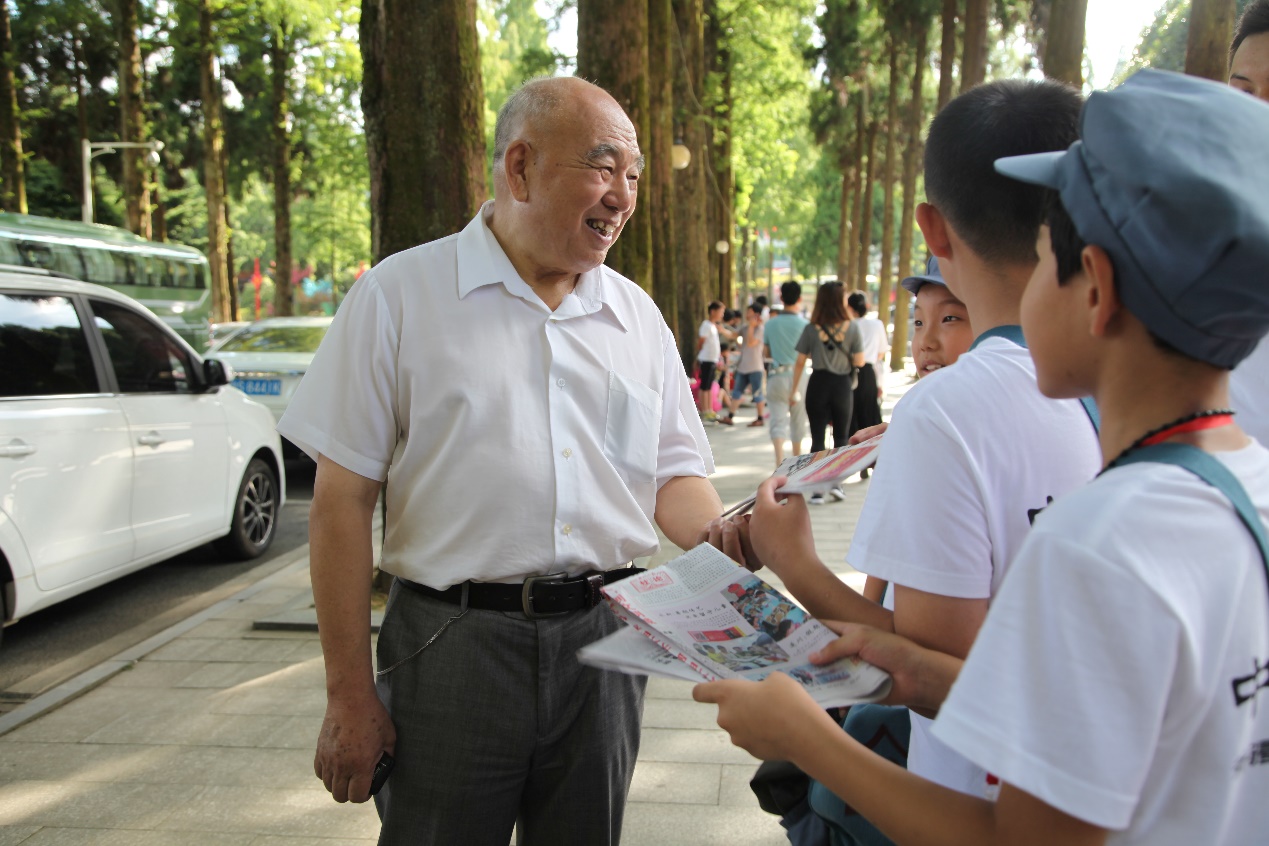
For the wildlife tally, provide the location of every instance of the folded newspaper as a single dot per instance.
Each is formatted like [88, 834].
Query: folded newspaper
[819, 472]
[702, 617]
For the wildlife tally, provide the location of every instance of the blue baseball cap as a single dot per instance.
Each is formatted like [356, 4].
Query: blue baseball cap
[932, 274]
[1169, 178]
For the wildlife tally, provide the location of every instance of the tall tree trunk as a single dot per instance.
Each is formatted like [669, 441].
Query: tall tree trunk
[231, 266]
[280, 138]
[857, 201]
[658, 178]
[721, 175]
[1064, 42]
[213, 153]
[1207, 45]
[81, 101]
[974, 59]
[843, 226]
[947, 55]
[424, 108]
[689, 184]
[865, 229]
[136, 193]
[911, 155]
[887, 186]
[158, 219]
[13, 189]
[612, 52]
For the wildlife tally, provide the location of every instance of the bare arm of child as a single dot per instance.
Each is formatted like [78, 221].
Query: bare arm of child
[875, 589]
[777, 719]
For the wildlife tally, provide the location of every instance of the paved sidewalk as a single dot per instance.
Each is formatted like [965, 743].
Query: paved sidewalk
[204, 734]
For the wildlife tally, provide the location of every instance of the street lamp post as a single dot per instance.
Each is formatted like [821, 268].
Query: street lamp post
[90, 150]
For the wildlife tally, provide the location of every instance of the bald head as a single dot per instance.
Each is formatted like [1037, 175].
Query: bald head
[540, 105]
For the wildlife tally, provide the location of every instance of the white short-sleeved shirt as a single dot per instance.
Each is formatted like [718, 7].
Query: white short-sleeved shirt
[712, 349]
[1249, 393]
[972, 453]
[515, 440]
[873, 334]
[1122, 675]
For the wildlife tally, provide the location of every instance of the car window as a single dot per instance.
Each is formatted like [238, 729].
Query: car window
[145, 358]
[291, 339]
[43, 347]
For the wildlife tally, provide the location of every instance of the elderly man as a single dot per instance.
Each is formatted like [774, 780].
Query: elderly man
[529, 411]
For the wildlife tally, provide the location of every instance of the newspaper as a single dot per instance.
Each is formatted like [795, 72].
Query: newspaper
[702, 617]
[819, 472]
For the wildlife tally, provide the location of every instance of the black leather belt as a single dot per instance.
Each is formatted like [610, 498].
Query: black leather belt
[537, 596]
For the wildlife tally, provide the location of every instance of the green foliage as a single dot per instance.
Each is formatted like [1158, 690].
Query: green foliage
[45, 193]
[1162, 44]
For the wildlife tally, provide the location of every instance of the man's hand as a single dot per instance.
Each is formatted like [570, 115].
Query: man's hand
[354, 735]
[730, 535]
[921, 677]
[772, 719]
[868, 433]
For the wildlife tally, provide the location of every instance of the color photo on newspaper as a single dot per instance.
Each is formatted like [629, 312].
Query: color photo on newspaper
[702, 617]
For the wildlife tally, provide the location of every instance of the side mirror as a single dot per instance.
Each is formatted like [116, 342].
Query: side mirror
[216, 373]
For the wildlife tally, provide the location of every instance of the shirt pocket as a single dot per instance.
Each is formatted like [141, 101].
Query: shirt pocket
[634, 423]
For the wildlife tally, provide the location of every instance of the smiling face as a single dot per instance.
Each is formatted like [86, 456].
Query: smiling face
[583, 175]
[941, 332]
[1249, 70]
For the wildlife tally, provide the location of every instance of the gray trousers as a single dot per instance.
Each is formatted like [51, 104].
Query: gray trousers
[499, 725]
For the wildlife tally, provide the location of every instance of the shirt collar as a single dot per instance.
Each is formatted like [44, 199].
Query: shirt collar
[482, 261]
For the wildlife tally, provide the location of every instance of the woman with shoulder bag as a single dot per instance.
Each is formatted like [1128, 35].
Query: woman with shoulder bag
[833, 344]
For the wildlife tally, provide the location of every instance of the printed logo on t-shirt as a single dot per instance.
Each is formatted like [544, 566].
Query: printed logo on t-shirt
[1033, 513]
[1258, 756]
[1247, 688]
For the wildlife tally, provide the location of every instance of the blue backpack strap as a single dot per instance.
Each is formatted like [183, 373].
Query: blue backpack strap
[1014, 334]
[1212, 471]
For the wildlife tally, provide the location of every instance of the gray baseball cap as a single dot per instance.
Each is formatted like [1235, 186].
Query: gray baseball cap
[1169, 178]
[932, 274]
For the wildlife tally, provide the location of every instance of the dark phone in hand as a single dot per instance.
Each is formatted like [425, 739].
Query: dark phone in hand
[383, 769]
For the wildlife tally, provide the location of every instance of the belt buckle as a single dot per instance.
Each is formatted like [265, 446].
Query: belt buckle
[526, 596]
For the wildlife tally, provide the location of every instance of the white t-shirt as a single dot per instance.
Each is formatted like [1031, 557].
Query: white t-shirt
[515, 440]
[1122, 675]
[1249, 393]
[971, 453]
[874, 338]
[712, 349]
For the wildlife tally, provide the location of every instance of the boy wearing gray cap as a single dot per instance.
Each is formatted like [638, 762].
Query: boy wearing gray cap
[1119, 688]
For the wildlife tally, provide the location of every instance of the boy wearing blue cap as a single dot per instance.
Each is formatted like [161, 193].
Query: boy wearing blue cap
[1120, 686]
[974, 451]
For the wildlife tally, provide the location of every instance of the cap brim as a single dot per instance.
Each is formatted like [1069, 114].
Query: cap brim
[1037, 168]
[913, 284]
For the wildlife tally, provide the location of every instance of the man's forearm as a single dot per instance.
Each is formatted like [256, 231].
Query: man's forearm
[341, 566]
[685, 504]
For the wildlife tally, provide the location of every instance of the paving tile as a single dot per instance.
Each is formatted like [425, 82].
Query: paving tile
[295, 813]
[269, 700]
[279, 840]
[733, 788]
[690, 746]
[218, 628]
[662, 824]
[228, 674]
[85, 805]
[83, 717]
[676, 784]
[659, 688]
[132, 837]
[296, 733]
[77, 762]
[11, 835]
[679, 714]
[188, 730]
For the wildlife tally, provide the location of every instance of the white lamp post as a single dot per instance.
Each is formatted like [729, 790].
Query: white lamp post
[90, 150]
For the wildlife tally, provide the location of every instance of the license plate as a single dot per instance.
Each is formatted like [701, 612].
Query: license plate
[259, 387]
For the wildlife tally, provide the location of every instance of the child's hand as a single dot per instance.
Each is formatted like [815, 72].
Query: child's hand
[779, 530]
[921, 677]
[771, 719]
[870, 432]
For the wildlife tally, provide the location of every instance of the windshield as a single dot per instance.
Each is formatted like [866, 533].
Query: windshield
[279, 339]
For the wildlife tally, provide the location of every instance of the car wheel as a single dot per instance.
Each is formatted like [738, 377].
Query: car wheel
[255, 517]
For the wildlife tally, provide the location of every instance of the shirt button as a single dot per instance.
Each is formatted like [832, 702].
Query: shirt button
[560, 382]
[568, 530]
[568, 453]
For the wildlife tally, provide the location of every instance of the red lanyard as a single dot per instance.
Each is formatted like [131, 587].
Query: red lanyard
[1213, 422]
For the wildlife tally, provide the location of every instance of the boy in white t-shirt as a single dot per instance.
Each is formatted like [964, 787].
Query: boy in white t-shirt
[709, 351]
[1120, 686]
[974, 451]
